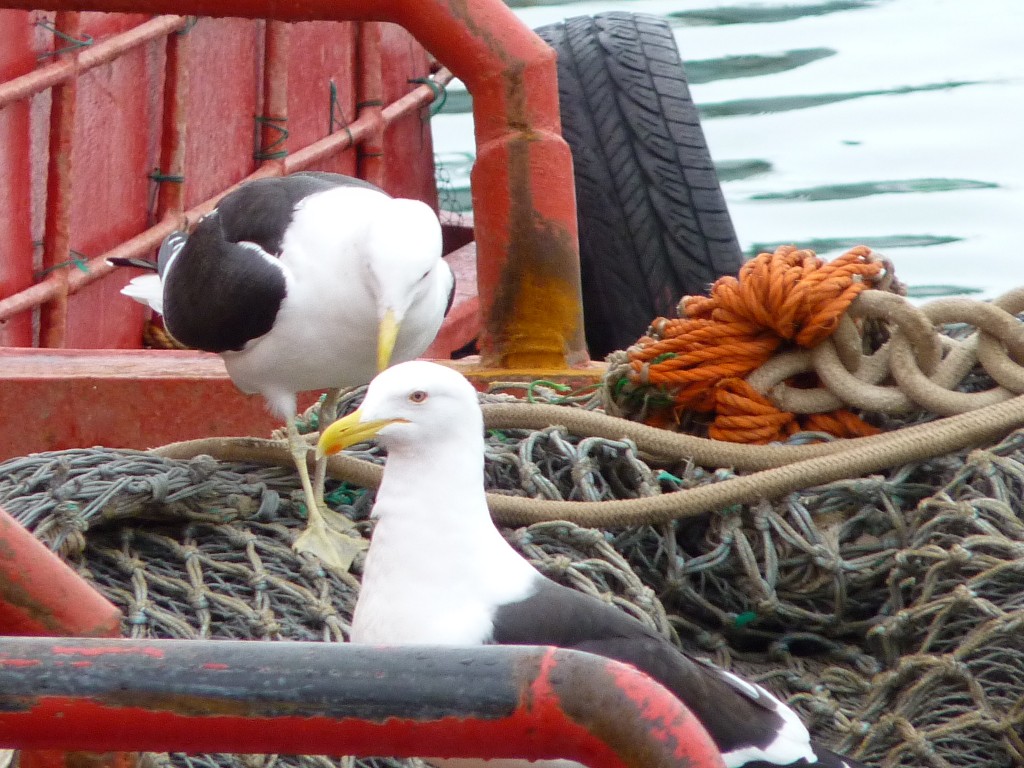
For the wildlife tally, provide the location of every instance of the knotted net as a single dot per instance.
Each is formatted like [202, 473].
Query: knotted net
[886, 609]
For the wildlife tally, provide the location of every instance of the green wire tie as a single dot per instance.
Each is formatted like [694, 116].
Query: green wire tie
[498, 435]
[74, 43]
[77, 259]
[337, 117]
[190, 24]
[440, 93]
[271, 152]
[159, 177]
[668, 477]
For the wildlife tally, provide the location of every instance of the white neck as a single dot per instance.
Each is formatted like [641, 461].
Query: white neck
[437, 565]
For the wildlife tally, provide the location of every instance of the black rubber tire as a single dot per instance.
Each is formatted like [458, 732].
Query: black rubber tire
[652, 218]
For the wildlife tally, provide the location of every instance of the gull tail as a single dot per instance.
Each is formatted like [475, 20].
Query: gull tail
[148, 290]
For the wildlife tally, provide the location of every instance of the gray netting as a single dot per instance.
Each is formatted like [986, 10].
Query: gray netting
[886, 609]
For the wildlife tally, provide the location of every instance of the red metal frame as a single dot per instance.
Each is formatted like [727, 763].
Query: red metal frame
[324, 698]
[523, 191]
[526, 304]
[41, 595]
[63, 281]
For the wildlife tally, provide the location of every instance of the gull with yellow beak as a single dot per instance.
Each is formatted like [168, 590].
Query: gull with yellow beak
[307, 282]
[440, 573]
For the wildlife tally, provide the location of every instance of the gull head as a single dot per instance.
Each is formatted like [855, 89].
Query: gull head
[414, 405]
[403, 256]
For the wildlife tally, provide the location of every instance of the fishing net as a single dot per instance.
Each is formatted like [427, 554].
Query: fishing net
[886, 609]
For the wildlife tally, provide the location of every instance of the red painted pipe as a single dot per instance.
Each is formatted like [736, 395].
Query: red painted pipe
[370, 103]
[95, 55]
[57, 229]
[523, 190]
[171, 185]
[146, 241]
[274, 126]
[321, 698]
[41, 595]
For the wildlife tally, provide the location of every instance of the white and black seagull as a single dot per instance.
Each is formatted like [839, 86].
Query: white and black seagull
[439, 572]
[310, 281]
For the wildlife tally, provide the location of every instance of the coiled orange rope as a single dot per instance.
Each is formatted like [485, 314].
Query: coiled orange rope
[782, 299]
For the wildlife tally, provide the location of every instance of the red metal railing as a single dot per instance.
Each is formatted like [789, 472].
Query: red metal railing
[40, 595]
[524, 200]
[323, 698]
[61, 280]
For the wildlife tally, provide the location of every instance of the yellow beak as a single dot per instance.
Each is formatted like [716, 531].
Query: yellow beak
[348, 431]
[386, 337]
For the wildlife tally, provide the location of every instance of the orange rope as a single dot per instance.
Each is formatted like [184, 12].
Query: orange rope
[790, 297]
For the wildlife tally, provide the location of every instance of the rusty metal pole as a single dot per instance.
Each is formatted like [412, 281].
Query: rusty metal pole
[327, 698]
[41, 595]
[273, 123]
[523, 190]
[170, 176]
[370, 103]
[57, 234]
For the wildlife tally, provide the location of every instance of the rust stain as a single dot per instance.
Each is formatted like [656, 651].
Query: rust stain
[536, 314]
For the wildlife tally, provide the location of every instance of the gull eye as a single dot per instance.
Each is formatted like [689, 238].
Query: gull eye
[418, 396]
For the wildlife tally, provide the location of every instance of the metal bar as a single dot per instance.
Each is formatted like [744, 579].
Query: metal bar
[57, 232]
[137, 398]
[370, 103]
[523, 190]
[273, 134]
[146, 241]
[95, 55]
[322, 698]
[171, 179]
[41, 595]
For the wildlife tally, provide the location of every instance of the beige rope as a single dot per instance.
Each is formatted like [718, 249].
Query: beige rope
[783, 468]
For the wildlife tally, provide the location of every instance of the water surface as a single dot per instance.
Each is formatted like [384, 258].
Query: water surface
[893, 123]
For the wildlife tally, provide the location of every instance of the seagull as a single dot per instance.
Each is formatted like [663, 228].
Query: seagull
[438, 571]
[306, 282]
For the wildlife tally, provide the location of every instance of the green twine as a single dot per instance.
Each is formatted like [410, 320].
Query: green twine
[531, 388]
[73, 43]
[344, 494]
[77, 259]
[498, 435]
[336, 118]
[743, 619]
[440, 93]
[157, 176]
[190, 23]
[270, 152]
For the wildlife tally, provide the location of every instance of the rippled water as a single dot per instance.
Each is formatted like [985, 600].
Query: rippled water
[894, 123]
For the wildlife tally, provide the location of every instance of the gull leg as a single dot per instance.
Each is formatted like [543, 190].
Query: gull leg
[334, 548]
[328, 412]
